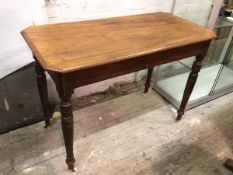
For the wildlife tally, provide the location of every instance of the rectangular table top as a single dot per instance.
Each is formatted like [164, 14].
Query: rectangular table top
[73, 46]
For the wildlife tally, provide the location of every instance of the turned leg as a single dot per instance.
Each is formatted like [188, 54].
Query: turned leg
[68, 129]
[190, 85]
[148, 79]
[229, 164]
[43, 92]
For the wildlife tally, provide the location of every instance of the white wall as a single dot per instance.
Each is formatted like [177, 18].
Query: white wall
[14, 17]
[76, 10]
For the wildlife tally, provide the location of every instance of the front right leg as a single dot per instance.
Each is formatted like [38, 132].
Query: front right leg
[68, 129]
[190, 85]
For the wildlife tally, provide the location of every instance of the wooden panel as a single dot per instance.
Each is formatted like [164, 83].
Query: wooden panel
[74, 46]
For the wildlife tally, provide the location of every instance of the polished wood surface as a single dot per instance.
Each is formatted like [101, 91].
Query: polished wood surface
[67, 47]
[81, 53]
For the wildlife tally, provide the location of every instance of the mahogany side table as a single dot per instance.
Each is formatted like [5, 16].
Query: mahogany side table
[80, 53]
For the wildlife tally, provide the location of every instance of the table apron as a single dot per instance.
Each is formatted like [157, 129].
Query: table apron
[87, 76]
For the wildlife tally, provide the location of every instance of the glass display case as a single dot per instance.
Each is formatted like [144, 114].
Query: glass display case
[215, 78]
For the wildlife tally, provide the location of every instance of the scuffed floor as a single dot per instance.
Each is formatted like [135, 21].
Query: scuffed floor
[132, 134]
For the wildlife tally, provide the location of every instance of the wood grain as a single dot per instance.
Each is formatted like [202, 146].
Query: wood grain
[68, 47]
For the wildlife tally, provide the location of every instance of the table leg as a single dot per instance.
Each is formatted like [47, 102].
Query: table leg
[68, 129]
[190, 85]
[43, 92]
[229, 164]
[148, 79]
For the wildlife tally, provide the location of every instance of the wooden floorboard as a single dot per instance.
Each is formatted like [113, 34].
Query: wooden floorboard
[133, 134]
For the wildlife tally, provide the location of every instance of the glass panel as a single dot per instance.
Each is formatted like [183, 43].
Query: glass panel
[217, 70]
[214, 55]
[225, 75]
[172, 77]
[171, 69]
[195, 11]
[174, 85]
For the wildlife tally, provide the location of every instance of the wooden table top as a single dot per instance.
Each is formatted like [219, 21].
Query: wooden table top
[68, 47]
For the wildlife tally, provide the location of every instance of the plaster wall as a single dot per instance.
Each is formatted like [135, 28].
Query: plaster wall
[16, 16]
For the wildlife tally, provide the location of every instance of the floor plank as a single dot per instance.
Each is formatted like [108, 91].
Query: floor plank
[133, 134]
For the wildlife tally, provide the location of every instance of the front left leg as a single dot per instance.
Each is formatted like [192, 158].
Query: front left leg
[190, 85]
[68, 129]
